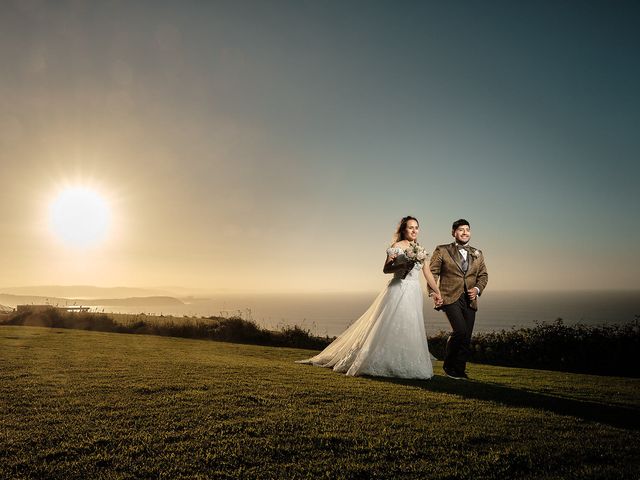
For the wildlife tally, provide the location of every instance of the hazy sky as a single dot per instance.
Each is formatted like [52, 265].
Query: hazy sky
[273, 146]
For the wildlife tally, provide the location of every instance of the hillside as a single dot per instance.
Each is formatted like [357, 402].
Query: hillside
[80, 404]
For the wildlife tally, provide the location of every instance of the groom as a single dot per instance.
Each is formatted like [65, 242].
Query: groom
[463, 276]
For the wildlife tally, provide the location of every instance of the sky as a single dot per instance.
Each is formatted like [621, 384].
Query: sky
[272, 146]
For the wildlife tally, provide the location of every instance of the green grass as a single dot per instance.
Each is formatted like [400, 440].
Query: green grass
[78, 404]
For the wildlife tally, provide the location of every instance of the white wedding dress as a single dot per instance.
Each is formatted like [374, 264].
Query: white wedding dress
[389, 340]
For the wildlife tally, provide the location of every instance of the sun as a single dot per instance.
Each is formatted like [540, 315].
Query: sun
[80, 217]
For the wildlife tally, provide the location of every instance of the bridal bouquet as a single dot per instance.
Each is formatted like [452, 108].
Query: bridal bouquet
[416, 253]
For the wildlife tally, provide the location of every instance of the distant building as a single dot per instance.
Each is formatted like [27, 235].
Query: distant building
[42, 308]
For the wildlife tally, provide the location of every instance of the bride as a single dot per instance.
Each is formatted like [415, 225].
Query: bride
[389, 340]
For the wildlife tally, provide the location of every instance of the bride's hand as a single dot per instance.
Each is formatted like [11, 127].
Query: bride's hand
[390, 264]
[437, 299]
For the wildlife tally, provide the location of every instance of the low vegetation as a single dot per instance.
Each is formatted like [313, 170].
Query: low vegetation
[601, 349]
[226, 329]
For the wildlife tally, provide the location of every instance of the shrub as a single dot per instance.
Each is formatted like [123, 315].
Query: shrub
[602, 349]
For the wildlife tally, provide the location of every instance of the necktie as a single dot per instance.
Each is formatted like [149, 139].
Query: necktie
[465, 260]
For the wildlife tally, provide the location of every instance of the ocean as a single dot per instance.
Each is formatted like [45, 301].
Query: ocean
[330, 313]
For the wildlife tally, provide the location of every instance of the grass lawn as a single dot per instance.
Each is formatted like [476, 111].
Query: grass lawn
[78, 404]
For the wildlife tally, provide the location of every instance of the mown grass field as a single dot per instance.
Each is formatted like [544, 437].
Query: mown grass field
[78, 404]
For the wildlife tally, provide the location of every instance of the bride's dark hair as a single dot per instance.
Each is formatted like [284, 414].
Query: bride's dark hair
[402, 226]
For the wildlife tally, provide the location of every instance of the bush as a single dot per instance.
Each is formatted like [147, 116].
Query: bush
[602, 349]
[297, 337]
[55, 318]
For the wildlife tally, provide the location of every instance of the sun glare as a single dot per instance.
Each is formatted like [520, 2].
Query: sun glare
[79, 216]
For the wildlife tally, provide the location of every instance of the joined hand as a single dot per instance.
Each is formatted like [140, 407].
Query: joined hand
[437, 300]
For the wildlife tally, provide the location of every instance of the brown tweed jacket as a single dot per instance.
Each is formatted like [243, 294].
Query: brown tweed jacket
[445, 264]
